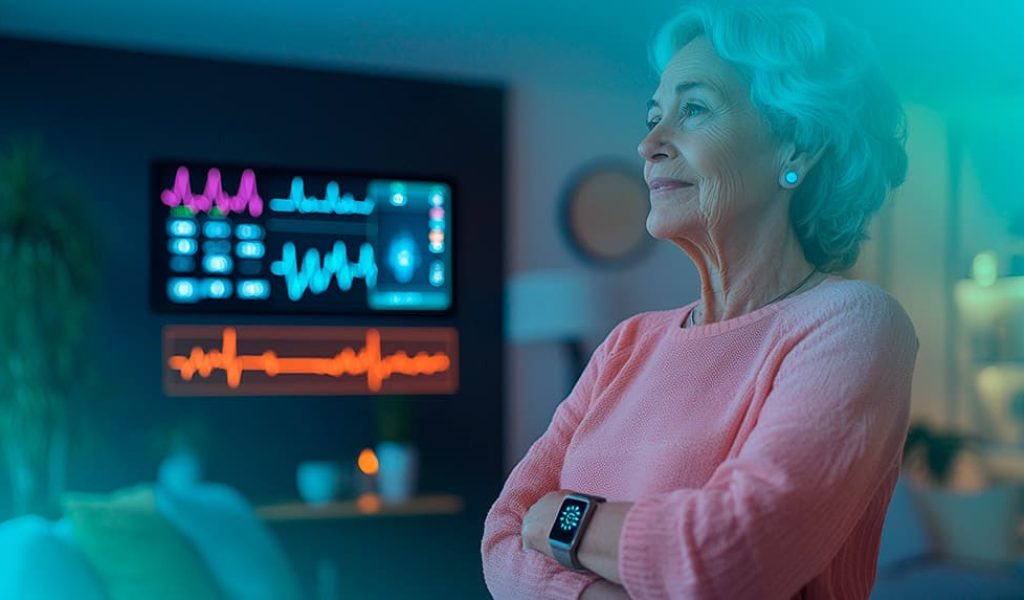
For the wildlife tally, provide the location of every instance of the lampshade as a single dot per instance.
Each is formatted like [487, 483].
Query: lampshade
[550, 305]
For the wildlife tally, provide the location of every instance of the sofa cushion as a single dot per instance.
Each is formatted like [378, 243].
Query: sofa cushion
[235, 544]
[36, 563]
[134, 550]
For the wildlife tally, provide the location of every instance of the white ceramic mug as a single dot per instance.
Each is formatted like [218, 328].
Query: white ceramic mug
[318, 481]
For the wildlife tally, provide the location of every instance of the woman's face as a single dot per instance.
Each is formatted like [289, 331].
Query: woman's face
[709, 145]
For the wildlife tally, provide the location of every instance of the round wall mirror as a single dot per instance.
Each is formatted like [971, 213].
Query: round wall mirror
[604, 213]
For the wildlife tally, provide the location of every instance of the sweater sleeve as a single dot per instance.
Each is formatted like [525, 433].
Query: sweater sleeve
[509, 571]
[777, 511]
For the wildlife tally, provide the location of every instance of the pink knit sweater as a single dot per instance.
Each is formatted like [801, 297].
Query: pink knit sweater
[760, 452]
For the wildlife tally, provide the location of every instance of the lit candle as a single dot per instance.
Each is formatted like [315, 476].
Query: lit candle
[368, 467]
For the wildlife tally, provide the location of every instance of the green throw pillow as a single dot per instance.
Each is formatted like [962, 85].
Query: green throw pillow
[135, 552]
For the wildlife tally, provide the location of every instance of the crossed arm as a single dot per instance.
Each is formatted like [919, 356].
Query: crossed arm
[793, 485]
[599, 548]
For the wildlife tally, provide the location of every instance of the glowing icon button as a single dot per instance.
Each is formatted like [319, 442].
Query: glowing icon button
[437, 273]
[182, 290]
[437, 197]
[182, 246]
[182, 227]
[250, 249]
[218, 288]
[253, 289]
[216, 229]
[248, 231]
[217, 263]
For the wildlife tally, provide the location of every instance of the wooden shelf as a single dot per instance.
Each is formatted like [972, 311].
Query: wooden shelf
[367, 505]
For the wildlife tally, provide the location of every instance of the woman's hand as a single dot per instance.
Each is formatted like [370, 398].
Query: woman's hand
[538, 521]
[602, 589]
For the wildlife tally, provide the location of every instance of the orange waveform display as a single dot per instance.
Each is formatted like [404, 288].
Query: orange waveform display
[361, 357]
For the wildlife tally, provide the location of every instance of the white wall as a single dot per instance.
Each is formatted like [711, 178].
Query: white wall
[918, 259]
[553, 130]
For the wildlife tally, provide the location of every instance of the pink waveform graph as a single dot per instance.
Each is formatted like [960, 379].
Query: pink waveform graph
[214, 195]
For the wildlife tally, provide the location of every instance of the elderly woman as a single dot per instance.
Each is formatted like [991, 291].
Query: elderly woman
[745, 445]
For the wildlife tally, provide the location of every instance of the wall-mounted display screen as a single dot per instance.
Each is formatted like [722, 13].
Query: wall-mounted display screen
[211, 360]
[239, 239]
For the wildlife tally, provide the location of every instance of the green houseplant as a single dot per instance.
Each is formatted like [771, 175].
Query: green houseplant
[48, 266]
[944, 459]
[394, 418]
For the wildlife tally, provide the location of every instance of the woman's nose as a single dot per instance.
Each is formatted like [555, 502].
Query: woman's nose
[653, 147]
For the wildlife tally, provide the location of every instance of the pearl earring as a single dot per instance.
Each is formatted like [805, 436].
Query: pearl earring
[792, 177]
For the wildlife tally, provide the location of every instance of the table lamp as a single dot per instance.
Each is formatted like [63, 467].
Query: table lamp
[556, 305]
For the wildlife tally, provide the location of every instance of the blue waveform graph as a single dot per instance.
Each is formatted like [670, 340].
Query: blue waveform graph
[332, 203]
[315, 274]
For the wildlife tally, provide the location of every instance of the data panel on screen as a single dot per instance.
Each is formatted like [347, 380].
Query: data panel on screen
[239, 239]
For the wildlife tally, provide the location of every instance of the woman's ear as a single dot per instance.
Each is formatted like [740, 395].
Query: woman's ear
[796, 164]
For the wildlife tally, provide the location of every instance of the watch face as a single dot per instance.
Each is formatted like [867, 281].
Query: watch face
[568, 520]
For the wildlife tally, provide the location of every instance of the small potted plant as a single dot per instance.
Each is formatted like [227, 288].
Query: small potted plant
[972, 515]
[944, 459]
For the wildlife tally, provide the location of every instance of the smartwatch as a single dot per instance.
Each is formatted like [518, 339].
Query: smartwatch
[567, 531]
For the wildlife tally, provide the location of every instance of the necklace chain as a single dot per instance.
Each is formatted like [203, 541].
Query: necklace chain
[798, 286]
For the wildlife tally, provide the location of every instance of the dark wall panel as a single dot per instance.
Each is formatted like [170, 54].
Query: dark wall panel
[103, 115]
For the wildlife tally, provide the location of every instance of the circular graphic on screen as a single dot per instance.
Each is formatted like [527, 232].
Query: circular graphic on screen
[570, 517]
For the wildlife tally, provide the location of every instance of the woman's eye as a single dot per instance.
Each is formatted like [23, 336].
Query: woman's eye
[690, 110]
[686, 111]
